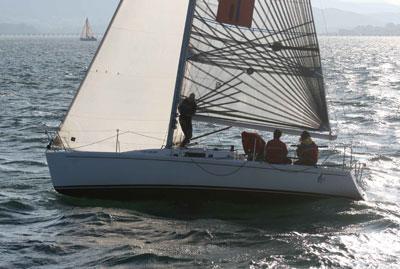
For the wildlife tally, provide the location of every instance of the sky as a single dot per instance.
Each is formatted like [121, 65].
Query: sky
[68, 15]
[58, 15]
[360, 6]
[393, 2]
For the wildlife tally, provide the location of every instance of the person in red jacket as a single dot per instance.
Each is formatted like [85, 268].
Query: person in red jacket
[307, 151]
[276, 151]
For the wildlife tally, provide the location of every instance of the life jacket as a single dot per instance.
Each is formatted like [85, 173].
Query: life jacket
[308, 153]
[276, 152]
[253, 145]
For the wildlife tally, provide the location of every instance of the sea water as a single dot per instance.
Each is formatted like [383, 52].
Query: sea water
[40, 228]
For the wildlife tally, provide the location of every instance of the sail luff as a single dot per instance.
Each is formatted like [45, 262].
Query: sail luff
[180, 72]
[91, 63]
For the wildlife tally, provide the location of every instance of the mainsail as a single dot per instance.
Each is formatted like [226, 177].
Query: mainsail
[257, 64]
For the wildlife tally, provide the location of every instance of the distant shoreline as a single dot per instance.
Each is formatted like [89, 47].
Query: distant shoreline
[355, 35]
[52, 35]
[48, 35]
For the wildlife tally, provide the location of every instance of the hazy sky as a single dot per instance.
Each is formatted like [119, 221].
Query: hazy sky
[395, 2]
[68, 15]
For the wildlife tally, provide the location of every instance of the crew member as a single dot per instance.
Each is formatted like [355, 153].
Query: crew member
[307, 151]
[276, 151]
[187, 108]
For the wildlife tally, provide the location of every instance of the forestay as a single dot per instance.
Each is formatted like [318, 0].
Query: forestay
[256, 64]
[130, 84]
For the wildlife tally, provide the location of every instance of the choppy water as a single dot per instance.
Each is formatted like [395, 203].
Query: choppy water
[39, 228]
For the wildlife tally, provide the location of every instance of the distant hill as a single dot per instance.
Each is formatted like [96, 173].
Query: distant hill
[333, 21]
[387, 17]
[357, 7]
[388, 30]
[50, 16]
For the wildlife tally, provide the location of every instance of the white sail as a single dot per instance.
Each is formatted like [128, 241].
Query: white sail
[87, 32]
[130, 84]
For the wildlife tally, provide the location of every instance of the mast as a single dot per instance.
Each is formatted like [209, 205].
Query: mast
[87, 28]
[181, 72]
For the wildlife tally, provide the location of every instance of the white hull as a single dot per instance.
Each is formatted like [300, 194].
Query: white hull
[84, 173]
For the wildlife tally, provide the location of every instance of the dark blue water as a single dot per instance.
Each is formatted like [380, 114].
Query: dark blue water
[40, 228]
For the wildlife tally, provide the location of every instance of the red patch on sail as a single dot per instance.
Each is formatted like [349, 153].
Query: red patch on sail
[236, 12]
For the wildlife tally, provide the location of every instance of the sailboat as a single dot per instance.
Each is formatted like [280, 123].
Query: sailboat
[87, 32]
[251, 64]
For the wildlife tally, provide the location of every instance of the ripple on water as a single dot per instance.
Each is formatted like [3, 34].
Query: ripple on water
[41, 228]
[16, 206]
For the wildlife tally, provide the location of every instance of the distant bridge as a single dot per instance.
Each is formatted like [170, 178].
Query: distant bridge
[47, 35]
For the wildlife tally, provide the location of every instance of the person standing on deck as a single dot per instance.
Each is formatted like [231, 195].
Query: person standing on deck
[276, 151]
[187, 108]
[307, 151]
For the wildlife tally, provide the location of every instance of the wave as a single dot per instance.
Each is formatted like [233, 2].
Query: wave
[41, 163]
[380, 158]
[144, 259]
[43, 228]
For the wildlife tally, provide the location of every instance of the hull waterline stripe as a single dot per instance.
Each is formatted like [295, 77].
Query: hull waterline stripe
[199, 188]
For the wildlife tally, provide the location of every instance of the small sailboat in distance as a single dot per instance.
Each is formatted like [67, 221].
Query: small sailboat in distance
[87, 32]
[252, 64]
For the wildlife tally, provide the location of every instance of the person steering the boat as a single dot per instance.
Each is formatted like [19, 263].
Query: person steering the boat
[307, 151]
[276, 151]
[187, 108]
